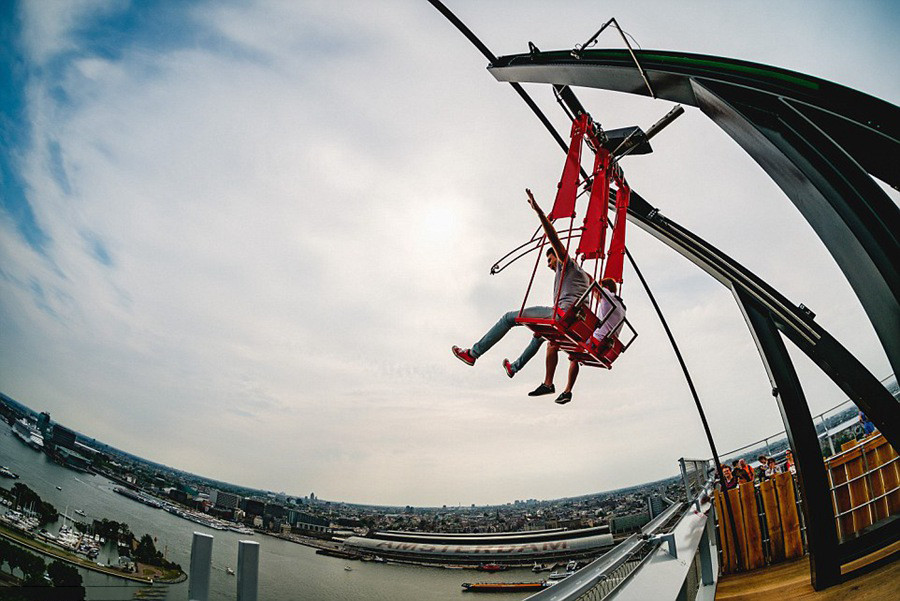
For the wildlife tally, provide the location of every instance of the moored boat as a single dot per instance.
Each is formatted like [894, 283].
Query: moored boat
[503, 587]
[492, 567]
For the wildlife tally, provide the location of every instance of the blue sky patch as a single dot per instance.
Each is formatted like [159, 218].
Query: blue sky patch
[14, 131]
[57, 167]
[97, 249]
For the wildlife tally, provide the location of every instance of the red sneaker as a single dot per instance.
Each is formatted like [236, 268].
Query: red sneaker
[507, 366]
[464, 355]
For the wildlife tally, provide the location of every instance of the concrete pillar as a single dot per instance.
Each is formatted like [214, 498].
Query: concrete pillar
[201, 564]
[248, 570]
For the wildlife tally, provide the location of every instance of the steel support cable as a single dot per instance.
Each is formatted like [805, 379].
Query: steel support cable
[493, 59]
[448, 14]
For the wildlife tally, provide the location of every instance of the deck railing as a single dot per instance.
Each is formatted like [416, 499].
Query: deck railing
[864, 479]
[865, 490]
[831, 435]
[663, 561]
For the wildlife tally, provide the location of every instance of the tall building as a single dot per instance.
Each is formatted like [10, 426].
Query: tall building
[225, 500]
[655, 505]
[311, 523]
[628, 523]
[275, 510]
[254, 507]
[46, 431]
[63, 437]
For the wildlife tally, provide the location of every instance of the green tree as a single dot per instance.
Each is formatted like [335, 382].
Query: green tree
[6, 552]
[25, 497]
[124, 534]
[65, 576]
[146, 551]
[33, 567]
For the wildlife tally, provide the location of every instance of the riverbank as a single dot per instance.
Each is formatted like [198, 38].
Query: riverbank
[150, 574]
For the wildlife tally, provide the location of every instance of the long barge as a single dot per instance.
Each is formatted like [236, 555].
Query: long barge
[503, 587]
[140, 498]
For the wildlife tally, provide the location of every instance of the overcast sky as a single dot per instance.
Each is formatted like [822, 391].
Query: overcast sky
[239, 238]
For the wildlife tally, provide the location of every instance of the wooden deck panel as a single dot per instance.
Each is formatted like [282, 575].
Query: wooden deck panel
[890, 476]
[790, 520]
[791, 581]
[755, 557]
[859, 491]
[875, 460]
[725, 534]
[773, 520]
[734, 495]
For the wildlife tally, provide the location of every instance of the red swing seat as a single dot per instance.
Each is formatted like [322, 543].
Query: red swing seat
[572, 332]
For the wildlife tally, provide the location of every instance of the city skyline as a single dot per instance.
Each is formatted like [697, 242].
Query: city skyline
[241, 239]
[222, 486]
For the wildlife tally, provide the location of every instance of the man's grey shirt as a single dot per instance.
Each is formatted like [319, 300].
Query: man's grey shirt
[574, 283]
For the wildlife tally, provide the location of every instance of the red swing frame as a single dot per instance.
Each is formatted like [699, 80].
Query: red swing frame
[572, 330]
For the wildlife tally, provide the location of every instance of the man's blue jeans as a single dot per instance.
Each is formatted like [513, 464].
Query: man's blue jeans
[504, 325]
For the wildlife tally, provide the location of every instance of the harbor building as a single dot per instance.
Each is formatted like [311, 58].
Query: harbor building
[253, 507]
[308, 522]
[509, 548]
[224, 500]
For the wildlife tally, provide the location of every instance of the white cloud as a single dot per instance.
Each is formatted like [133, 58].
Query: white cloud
[300, 208]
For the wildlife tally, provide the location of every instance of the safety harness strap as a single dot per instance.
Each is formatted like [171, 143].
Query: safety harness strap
[615, 262]
[593, 237]
[564, 205]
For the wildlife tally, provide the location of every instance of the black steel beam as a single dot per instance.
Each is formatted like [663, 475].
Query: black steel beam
[801, 130]
[821, 535]
[860, 385]
[818, 140]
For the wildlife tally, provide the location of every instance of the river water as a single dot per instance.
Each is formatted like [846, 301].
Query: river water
[287, 570]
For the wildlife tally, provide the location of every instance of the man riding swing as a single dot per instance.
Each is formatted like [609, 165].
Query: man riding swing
[569, 285]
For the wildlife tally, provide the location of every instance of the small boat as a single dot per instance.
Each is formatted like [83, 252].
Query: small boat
[79, 512]
[59, 488]
[229, 571]
[559, 575]
[348, 569]
[492, 567]
[503, 587]
[538, 567]
[7, 473]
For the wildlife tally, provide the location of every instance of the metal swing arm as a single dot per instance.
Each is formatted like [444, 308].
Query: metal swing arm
[535, 244]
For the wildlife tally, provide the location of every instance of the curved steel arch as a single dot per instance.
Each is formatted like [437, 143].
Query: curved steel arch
[819, 141]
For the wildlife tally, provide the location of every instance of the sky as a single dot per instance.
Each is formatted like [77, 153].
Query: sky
[240, 238]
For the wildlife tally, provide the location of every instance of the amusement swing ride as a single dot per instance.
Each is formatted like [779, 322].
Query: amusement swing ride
[823, 144]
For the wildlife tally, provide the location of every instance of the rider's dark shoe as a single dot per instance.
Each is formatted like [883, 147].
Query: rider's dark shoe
[563, 398]
[542, 390]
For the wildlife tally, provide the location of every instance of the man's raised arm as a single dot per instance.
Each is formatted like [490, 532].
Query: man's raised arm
[552, 236]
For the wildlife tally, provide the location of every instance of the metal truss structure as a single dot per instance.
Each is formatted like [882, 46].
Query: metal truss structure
[822, 143]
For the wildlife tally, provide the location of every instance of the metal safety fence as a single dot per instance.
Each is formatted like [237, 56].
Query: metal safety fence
[673, 557]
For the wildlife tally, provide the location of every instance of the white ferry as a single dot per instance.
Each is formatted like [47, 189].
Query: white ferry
[28, 434]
